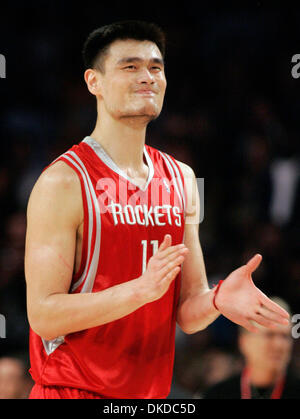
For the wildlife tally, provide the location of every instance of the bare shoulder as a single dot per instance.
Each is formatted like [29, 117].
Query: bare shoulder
[58, 178]
[57, 189]
[187, 171]
[58, 175]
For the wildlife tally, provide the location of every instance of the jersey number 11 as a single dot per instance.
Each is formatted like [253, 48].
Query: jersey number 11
[145, 246]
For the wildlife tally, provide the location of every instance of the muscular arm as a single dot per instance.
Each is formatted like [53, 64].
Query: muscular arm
[196, 310]
[53, 216]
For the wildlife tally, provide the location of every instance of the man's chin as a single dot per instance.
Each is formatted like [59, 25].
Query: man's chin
[145, 115]
[138, 120]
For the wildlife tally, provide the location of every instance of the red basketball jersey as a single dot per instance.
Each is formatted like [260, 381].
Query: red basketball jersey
[123, 226]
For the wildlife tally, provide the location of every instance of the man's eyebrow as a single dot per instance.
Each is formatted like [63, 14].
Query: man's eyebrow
[127, 60]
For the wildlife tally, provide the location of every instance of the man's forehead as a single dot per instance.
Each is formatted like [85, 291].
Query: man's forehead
[124, 48]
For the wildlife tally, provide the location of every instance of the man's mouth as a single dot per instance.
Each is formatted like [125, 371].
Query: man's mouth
[145, 92]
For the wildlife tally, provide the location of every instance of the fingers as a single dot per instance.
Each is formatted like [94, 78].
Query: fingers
[171, 257]
[270, 305]
[168, 257]
[263, 321]
[167, 241]
[271, 315]
[172, 274]
[171, 265]
[254, 262]
[166, 249]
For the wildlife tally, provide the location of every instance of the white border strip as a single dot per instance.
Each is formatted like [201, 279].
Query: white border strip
[91, 226]
[89, 282]
[106, 159]
[174, 178]
[51, 346]
[178, 177]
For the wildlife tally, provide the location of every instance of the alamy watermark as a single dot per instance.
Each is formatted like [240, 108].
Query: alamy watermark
[164, 204]
[296, 68]
[296, 327]
[2, 67]
[2, 326]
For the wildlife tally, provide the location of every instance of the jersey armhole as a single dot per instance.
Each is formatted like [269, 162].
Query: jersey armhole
[184, 193]
[77, 275]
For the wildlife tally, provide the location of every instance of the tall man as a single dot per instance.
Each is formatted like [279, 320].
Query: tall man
[110, 223]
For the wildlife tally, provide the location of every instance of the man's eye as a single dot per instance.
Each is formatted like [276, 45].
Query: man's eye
[130, 67]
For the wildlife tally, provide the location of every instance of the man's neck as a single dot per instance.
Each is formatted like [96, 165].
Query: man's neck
[123, 140]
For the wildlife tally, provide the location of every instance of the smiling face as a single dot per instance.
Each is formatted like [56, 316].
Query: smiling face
[133, 81]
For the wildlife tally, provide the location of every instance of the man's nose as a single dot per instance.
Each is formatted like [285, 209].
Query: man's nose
[145, 76]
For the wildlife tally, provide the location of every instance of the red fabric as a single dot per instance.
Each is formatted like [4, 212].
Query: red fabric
[54, 392]
[131, 357]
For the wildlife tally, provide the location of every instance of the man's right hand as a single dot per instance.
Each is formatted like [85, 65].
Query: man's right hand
[162, 269]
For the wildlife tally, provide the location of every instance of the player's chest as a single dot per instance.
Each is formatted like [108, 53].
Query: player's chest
[123, 206]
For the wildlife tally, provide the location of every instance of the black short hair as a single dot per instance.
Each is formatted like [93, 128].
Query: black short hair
[98, 41]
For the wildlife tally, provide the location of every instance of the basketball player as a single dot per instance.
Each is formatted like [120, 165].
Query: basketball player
[104, 267]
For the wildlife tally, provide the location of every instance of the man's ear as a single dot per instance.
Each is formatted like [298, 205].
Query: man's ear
[93, 82]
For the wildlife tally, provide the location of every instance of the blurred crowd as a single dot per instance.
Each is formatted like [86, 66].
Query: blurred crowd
[231, 113]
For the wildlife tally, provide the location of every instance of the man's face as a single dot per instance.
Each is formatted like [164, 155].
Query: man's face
[133, 83]
[267, 349]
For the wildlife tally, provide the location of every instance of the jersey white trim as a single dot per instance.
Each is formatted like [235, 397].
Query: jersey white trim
[92, 260]
[90, 224]
[103, 156]
[178, 177]
[174, 178]
[92, 270]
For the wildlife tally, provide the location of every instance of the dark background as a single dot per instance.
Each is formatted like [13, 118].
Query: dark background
[231, 112]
